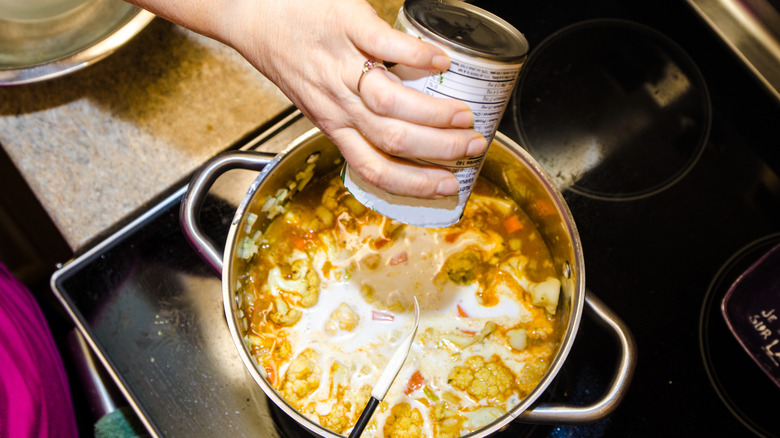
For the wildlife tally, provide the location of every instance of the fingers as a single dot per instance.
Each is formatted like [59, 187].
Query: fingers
[404, 122]
[397, 176]
[375, 36]
[402, 139]
[385, 95]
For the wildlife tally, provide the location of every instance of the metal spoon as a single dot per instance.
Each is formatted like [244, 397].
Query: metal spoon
[388, 375]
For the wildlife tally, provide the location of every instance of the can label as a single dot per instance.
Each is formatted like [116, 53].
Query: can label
[486, 87]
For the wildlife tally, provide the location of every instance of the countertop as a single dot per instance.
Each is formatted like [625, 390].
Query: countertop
[99, 145]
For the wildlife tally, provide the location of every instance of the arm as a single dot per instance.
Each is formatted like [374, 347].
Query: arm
[313, 50]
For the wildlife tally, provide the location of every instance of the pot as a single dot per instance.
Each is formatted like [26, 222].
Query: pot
[509, 167]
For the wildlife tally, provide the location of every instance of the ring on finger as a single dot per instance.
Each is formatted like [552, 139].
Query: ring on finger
[367, 67]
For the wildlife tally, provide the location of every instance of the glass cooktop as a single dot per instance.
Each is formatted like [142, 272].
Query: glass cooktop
[664, 228]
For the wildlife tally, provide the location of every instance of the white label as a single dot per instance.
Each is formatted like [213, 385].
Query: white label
[486, 88]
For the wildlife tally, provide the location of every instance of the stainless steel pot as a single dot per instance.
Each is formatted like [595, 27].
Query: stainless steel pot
[509, 167]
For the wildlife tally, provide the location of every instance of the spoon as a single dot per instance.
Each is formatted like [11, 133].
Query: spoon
[388, 375]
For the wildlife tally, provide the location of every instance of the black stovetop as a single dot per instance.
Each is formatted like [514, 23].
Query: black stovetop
[662, 261]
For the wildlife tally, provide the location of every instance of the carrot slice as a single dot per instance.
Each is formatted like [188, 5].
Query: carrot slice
[415, 382]
[512, 224]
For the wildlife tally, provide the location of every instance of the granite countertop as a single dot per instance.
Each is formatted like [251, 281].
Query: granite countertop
[98, 145]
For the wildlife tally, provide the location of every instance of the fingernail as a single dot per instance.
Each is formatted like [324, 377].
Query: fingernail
[440, 63]
[447, 187]
[476, 146]
[463, 119]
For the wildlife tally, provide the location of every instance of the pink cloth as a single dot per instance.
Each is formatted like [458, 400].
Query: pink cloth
[34, 394]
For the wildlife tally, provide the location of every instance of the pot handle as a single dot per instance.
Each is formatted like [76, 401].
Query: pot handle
[552, 413]
[189, 213]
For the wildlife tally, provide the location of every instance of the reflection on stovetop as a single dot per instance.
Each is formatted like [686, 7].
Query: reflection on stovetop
[153, 309]
[653, 259]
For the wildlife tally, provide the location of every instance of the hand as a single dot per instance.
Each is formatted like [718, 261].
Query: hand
[314, 51]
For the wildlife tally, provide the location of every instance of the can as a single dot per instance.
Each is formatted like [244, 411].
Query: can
[486, 54]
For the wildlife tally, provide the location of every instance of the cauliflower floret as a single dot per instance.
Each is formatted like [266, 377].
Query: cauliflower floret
[310, 290]
[480, 379]
[403, 422]
[302, 279]
[338, 419]
[284, 314]
[302, 377]
[282, 349]
[342, 414]
[343, 318]
[460, 267]
[446, 421]
[330, 196]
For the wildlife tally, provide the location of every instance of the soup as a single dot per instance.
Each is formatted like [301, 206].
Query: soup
[327, 295]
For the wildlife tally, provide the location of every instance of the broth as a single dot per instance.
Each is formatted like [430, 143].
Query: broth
[327, 295]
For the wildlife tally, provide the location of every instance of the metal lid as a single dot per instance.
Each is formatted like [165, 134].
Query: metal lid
[467, 28]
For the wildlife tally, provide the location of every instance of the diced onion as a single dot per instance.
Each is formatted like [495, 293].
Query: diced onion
[518, 338]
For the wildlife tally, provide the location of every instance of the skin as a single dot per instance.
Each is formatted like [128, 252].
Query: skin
[314, 52]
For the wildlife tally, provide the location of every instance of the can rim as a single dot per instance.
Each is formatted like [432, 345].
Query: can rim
[522, 46]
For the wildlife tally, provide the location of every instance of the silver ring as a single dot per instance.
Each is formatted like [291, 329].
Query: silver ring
[367, 66]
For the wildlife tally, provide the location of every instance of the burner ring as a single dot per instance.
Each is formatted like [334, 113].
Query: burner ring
[613, 109]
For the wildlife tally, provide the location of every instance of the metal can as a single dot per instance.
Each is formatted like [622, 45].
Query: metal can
[486, 54]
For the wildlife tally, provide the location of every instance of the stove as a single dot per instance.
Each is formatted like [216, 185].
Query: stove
[668, 219]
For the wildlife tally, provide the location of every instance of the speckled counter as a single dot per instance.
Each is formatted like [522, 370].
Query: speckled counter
[97, 145]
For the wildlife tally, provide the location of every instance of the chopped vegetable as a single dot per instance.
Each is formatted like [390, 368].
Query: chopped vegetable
[482, 379]
[482, 416]
[545, 294]
[415, 382]
[545, 207]
[378, 315]
[518, 338]
[430, 394]
[399, 258]
[463, 341]
[461, 267]
[512, 224]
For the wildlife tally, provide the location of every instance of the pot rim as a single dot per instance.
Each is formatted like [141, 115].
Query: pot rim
[571, 328]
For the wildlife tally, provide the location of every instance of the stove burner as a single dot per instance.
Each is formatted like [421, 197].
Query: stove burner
[739, 382]
[612, 109]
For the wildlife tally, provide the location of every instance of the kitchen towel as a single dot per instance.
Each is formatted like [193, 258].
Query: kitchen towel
[35, 398]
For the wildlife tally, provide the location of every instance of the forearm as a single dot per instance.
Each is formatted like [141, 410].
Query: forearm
[216, 19]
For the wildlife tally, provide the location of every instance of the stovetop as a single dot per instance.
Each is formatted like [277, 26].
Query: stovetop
[662, 259]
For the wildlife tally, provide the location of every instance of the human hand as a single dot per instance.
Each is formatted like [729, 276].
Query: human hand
[314, 52]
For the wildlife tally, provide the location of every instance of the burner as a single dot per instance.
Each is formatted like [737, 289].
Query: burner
[739, 382]
[612, 109]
